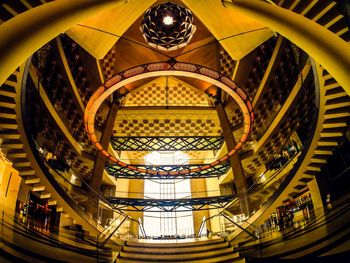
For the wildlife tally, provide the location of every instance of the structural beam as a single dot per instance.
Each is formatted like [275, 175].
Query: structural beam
[325, 47]
[188, 143]
[119, 171]
[20, 39]
[236, 165]
[100, 161]
[170, 205]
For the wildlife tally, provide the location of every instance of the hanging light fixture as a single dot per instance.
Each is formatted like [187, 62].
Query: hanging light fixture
[167, 26]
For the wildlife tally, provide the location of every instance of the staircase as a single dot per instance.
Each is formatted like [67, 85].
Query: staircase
[324, 12]
[215, 250]
[17, 150]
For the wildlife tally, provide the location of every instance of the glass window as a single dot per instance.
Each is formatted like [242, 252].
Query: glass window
[157, 223]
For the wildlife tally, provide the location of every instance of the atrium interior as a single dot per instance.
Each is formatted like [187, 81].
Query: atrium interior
[174, 131]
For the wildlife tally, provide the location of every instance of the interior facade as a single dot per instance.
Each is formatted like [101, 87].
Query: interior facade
[174, 131]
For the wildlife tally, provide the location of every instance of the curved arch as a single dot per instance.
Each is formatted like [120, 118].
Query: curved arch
[19, 39]
[166, 69]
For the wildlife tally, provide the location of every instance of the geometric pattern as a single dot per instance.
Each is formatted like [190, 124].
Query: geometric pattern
[168, 205]
[107, 64]
[163, 123]
[227, 64]
[166, 143]
[167, 91]
[171, 36]
[124, 172]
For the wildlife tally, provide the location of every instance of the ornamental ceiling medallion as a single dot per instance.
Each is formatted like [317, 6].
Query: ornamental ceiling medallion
[167, 26]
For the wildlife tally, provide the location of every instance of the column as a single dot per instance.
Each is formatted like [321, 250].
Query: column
[198, 189]
[236, 166]
[99, 165]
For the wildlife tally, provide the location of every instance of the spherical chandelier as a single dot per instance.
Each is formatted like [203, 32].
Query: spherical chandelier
[167, 26]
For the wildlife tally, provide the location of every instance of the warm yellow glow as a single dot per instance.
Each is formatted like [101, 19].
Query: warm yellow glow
[168, 20]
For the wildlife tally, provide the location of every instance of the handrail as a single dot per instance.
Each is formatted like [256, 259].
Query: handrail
[104, 230]
[243, 229]
[98, 244]
[111, 234]
[203, 221]
[273, 176]
[140, 225]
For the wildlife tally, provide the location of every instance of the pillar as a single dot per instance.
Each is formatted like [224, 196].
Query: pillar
[324, 46]
[99, 165]
[19, 39]
[236, 166]
[198, 189]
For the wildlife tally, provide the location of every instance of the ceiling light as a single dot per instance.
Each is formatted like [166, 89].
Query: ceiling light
[168, 20]
[167, 26]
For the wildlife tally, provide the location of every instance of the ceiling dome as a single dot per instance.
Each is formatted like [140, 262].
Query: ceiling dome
[168, 26]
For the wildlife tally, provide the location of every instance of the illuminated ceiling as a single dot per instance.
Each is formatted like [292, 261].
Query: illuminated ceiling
[241, 34]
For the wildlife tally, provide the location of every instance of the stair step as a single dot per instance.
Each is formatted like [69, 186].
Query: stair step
[38, 188]
[338, 105]
[8, 89]
[336, 114]
[20, 162]
[320, 9]
[313, 168]
[327, 143]
[182, 244]
[229, 257]
[8, 123]
[305, 180]
[310, 173]
[52, 202]
[12, 144]
[174, 250]
[45, 195]
[12, 154]
[11, 81]
[7, 102]
[25, 171]
[306, 7]
[7, 113]
[335, 123]
[318, 160]
[32, 180]
[193, 255]
[330, 18]
[331, 85]
[331, 134]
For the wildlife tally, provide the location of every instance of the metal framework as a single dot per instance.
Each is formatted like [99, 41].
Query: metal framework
[186, 143]
[125, 172]
[170, 205]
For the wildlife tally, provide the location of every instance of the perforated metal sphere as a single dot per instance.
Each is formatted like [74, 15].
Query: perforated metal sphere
[168, 26]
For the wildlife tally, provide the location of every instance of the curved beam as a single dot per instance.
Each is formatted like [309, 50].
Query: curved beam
[329, 50]
[168, 69]
[24, 34]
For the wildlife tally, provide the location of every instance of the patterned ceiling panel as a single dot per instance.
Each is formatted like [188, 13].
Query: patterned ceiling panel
[227, 64]
[203, 122]
[167, 91]
[107, 64]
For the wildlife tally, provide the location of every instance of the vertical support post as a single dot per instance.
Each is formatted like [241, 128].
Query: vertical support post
[236, 166]
[97, 174]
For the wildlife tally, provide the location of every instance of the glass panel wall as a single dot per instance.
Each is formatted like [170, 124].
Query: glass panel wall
[168, 223]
